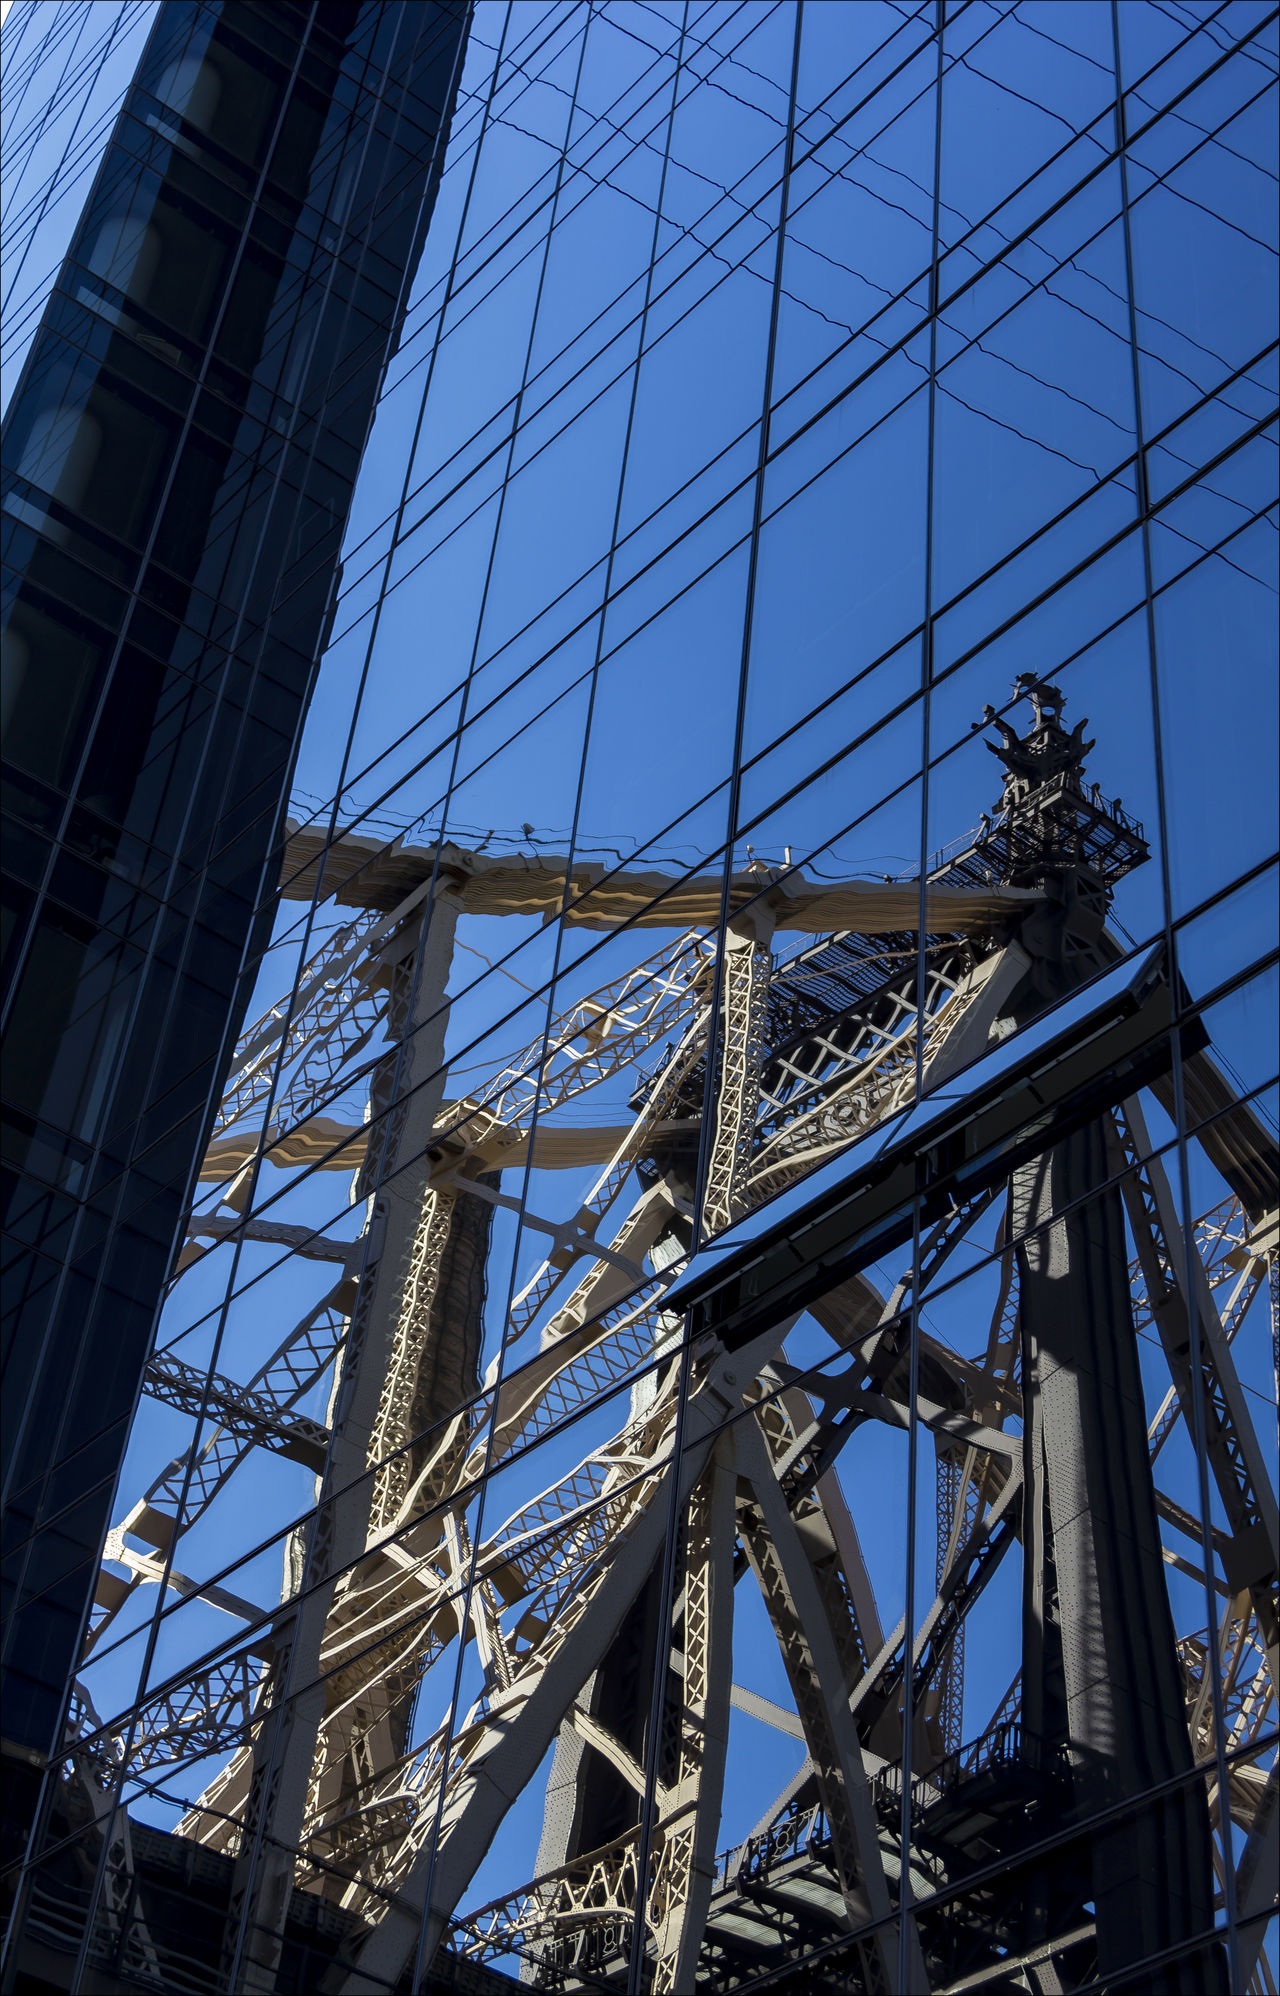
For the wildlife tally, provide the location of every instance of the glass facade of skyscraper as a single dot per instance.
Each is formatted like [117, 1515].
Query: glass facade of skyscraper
[66, 69]
[180, 449]
[713, 1421]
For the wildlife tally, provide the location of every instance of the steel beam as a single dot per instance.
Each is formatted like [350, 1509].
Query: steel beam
[1100, 1671]
[811, 1656]
[1236, 1459]
[284, 1750]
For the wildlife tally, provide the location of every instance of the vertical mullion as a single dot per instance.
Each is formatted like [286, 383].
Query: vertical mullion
[913, 1363]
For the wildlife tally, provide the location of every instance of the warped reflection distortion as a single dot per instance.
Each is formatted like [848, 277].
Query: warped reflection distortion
[711, 1425]
[1037, 1421]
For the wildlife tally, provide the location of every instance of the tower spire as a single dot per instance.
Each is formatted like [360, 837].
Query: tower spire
[1048, 816]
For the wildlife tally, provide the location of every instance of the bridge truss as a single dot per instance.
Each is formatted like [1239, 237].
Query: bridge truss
[537, 1515]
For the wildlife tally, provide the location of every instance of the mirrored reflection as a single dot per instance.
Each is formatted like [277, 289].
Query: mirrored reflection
[712, 1414]
[63, 84]
[506, 1265]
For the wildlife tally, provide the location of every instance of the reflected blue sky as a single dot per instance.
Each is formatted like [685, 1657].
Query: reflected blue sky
[640, 570]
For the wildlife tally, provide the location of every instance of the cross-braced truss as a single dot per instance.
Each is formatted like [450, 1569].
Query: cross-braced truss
[360, 1741]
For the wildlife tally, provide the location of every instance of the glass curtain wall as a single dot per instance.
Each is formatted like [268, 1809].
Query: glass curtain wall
[64, 68]
[180, 450]
[714, 1424]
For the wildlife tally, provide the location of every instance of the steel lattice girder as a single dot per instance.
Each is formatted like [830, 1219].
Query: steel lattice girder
[580, 1535]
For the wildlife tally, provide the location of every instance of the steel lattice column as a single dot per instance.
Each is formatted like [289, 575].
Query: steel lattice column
[1100, 1667]
[281, 1774]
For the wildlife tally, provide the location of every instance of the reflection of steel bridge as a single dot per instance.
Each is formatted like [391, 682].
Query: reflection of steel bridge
[327, 1781]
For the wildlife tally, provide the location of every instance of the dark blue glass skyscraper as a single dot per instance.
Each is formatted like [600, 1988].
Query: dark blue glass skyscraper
[180, 453]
